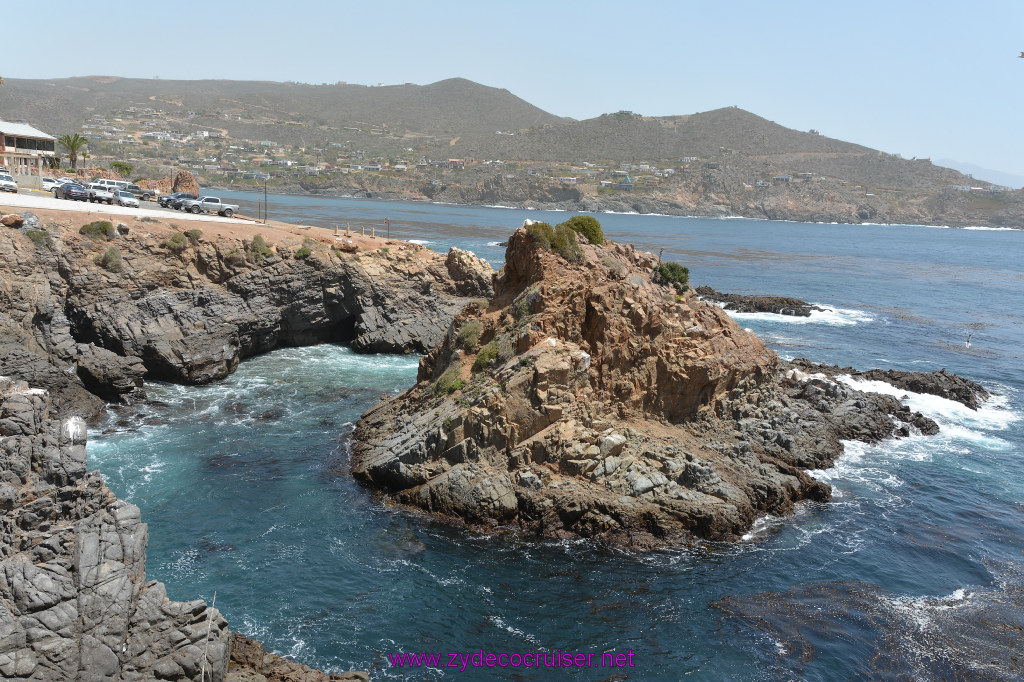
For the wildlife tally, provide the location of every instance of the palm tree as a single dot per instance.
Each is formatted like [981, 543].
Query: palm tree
[73, 143]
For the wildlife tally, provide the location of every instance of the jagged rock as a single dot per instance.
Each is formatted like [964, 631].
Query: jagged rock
[74, 600]
[250, 662]
[193, 316]
[185, 181]
[111, 377]
[780, 305]
[940, 383]
[600, 404]
[465, 268]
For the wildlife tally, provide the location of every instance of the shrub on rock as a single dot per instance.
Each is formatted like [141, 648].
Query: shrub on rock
[587, 226]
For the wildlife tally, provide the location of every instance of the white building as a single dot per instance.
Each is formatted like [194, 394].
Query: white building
[23, 152]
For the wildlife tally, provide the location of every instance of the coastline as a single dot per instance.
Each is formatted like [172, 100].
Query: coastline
[577, 207]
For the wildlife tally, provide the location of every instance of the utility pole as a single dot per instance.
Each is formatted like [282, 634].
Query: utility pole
[388, 223]
[265, 212]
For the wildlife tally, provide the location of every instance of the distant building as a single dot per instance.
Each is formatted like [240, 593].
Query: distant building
[567, 181]
[24, 152]
[782, 178]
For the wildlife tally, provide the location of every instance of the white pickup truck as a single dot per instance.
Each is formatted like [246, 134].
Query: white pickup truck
[209, 205]
[99, 193]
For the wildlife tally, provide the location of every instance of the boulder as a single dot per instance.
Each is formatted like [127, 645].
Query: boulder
[185, 181]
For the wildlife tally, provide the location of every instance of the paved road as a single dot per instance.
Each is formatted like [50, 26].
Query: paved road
[35, 199]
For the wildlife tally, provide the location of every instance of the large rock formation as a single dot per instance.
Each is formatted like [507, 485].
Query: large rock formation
[586, 400]
[75, 603]
[185, 181]
[188, 311]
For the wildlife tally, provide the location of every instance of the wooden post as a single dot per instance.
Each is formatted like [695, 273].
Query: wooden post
[373, 231]
[348, 227]
[362, 230]
[335, 231]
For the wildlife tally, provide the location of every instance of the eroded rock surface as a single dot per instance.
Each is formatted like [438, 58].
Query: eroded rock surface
[75, 603]
[585, 400]
[190, 313]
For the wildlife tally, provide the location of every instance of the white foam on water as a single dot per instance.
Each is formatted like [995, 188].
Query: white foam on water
[495, 243]
[421, 242]
[994, 414]
[829, 316]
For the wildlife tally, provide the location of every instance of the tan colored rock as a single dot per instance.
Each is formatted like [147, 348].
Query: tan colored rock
[185, 181]
[598, 403]
[12, 220]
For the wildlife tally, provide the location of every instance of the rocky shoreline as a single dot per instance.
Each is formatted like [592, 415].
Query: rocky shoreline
[184, 302]
[585, 400]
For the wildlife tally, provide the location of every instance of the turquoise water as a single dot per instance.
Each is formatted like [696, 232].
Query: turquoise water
[914, 570]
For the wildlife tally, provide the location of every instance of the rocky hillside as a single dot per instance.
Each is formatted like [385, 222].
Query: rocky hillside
[86, 315]
[584, 399]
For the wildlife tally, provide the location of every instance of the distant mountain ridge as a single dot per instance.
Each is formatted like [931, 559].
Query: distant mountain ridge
[446, 109]
[984, 174]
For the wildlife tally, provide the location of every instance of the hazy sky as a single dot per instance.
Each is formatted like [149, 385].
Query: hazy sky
[937, 79]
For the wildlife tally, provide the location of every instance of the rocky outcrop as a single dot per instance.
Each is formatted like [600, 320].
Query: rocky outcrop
[780, 305]
[75, 603]
[586, 400]
[250, 662]
[189, 314]
[185, 181]
[940, 383]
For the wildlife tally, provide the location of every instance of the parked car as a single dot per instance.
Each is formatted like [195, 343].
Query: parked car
[142, 194]
[7, 184]
[100, 193]
[49, 184]
[209, 205]
[125, 198]
[70, 190]
[182, 197]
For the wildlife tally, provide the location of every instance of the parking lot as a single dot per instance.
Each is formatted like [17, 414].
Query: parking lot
[41, 200]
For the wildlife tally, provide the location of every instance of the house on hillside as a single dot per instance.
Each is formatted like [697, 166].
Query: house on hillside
[24, 151]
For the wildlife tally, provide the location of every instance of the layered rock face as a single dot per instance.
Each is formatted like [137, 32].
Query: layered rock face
[189, 312]
[585, 400]
[74, 600]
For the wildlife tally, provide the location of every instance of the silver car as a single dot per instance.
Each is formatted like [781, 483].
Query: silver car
[7, 184]
[125, 198]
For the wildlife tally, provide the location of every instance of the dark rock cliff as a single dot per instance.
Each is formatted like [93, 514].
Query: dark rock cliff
[189, 312]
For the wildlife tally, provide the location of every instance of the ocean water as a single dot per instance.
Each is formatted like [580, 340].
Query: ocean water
[913, 571]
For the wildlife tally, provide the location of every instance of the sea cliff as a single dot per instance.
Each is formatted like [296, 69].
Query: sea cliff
[81, 327]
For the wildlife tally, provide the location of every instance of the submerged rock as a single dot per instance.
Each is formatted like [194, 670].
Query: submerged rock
[586, 400]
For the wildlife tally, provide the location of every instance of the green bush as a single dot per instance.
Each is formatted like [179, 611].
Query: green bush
[562, 240]
[40, 238]
[449, 381]
[176, 244]
[497, 352]
[193, 236]
[485, 356]
[258, 249]
[98, 229]
[469, 335]
[111, 260]
[672, 274]
[587, 226]
[303, 252]
[234, 257]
